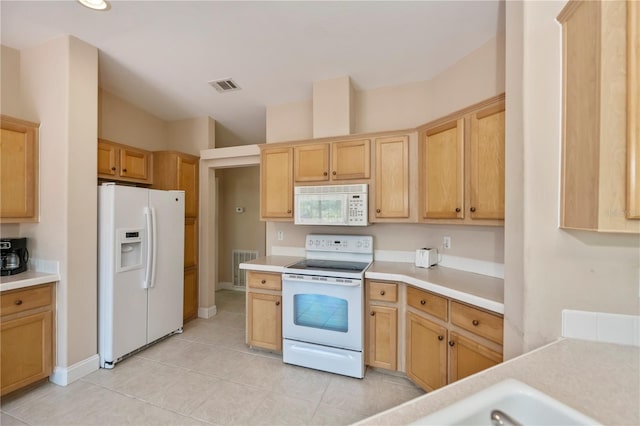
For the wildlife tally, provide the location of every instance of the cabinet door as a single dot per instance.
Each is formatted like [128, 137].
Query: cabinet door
[468, 357]
[442, 171]
[187, 172]
[264, 319]
[426, 352]
[311, 162]
[382, 331]
[190, 294]
[26, 350]
[276, 183]
[134, 164]
[392, 177]
[107, 160]
[350, 160]
[18, 171]
[487, 163]
[190, 242]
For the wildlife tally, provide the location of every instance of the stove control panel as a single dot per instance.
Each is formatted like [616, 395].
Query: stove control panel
[340, 243]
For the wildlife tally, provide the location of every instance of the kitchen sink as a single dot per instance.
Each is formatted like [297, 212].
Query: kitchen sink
[509, 402]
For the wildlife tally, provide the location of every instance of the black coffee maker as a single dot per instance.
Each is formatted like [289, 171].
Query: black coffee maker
[13, 256]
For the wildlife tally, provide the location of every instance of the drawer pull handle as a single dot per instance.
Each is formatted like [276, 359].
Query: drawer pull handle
[334, 173]
[382, 292]
[372, 313]
[423, 302]
[473, 209]
[124, 170]
[475, 323]
[18, 302]
[440, 338]
[457, 209]
[452, 343]
[113, 168]
[288, 211]
[277, 303]
[263, 282]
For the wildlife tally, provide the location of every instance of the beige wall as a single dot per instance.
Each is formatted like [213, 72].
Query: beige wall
[119, 121]
[238, 187]
[191, 135]
[289, 122]
[58, 83]
[10, 82]
[333, 107]
[559, 269]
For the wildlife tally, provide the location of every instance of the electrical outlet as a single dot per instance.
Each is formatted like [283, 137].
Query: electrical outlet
[280, 235]
[446, 243]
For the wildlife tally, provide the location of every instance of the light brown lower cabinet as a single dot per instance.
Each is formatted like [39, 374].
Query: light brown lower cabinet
[264, 311]
[426, 352]
[190, 294]
[383, 335]
[467, 357]
[26, 333]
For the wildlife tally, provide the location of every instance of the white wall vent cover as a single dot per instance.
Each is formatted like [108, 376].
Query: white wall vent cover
[225, 85]
[238, 257]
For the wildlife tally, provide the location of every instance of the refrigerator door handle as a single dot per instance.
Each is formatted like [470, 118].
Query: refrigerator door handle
[150, 238]
[154, 242]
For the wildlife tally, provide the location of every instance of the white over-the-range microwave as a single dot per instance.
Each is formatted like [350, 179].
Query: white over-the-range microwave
[343, 205]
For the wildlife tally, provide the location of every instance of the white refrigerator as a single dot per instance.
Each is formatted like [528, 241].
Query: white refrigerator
[140, 268]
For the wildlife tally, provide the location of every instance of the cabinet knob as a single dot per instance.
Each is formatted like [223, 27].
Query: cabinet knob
[288, 211]
[382, 292]
[440, 338]
[423, 302]
[18, 302]
[372, 313]
[377, 210]
[124, 170]
[457, 209]
[325, 174]
[263, 282]
[452, 343]
[334, 173]
[475, 323]
[473, 209]
[113, 168]
[277, 303]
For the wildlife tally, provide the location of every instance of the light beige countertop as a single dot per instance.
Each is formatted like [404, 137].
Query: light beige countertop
[476, 289]
[27, 279]
[270, 263]
[601, 380]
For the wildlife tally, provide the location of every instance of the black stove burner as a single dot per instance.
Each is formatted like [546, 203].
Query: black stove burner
[329, 265]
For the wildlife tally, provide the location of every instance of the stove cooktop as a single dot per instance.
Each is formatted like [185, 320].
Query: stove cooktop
[322, 265]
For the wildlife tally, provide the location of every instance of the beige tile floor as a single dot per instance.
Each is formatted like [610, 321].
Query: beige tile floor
[207, 375]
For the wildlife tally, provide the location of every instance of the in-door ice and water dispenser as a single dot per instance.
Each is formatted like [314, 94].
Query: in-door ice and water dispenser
[129, 249]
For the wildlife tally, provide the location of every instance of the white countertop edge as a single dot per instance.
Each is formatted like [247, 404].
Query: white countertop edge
[263, 268]
[490, 305]
[36, 279]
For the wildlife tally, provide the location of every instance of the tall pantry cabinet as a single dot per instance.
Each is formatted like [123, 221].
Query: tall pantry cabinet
[176, 170]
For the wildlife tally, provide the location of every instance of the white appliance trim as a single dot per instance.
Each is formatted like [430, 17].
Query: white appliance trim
[62, 376]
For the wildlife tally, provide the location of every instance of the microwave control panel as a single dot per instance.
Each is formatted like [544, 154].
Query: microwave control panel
[357, 206]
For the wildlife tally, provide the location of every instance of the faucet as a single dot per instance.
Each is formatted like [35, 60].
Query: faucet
[499, 418]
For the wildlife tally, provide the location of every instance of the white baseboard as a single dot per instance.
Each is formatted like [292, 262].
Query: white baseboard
[62, 376]
[207, 312]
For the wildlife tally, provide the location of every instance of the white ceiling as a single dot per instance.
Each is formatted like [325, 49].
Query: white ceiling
[160, 55]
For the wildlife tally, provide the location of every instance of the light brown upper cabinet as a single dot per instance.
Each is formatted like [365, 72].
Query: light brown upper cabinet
[18, 171]
[442, 171]
[595, 149]
[276, 183]
[392, 177]
[461, 161]
[124, 163]
[177, 170]
[633, 110]
[487, 163]
[332, 161]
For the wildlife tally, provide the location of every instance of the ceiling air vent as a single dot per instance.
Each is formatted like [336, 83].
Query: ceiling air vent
[226, 85]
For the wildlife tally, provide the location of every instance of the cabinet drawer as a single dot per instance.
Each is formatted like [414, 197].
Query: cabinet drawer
[265, 281]
[384, 292]
[25, 299]
[479, 322]
[427, 302]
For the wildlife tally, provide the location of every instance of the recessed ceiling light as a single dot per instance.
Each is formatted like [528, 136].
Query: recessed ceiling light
[95, 4]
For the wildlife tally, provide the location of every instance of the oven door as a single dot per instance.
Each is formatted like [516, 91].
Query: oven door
[323, 310]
